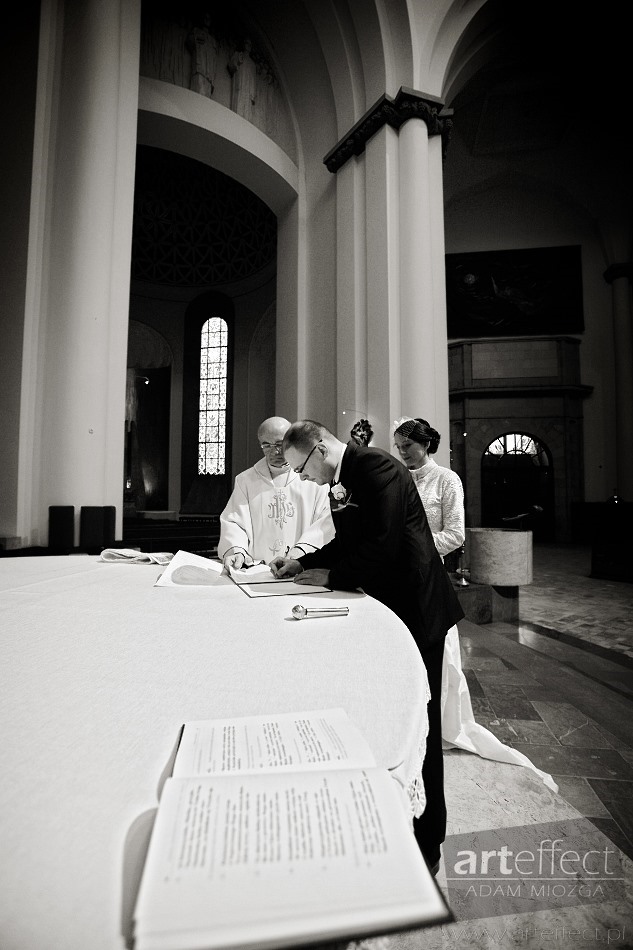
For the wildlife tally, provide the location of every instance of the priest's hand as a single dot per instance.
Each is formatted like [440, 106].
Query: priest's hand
[318, 576]
[237, 559]
[285, 567]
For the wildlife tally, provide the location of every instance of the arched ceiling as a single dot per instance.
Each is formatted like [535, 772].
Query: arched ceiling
[538, 92]
[568, 64]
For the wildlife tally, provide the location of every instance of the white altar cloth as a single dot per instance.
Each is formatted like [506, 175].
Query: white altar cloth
[101, 668]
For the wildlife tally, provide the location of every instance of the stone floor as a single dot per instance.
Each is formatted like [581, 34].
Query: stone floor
[563, 596]
[558, 686]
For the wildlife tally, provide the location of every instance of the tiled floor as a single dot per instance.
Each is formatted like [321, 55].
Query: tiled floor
[557, 686]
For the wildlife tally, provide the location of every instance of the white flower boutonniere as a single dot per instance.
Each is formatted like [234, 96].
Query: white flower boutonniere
[340, 498]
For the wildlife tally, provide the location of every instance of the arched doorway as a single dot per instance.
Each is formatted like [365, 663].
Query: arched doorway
[517, 485]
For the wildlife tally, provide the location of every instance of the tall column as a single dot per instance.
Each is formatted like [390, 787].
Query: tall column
[351, 297]
[76, 340]
[399, 144]
[382, 243]
[619, 276]
[423, 340]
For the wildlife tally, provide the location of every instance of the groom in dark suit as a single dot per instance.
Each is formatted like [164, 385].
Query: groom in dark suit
[384, 545]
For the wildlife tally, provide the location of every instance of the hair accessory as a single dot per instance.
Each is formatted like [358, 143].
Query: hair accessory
[398, 422]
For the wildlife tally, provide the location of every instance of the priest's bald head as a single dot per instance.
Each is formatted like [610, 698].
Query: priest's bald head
[271, 437]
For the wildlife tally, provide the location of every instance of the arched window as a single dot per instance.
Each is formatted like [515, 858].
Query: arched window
[517, 485]
[207, 386]
[213, 396]
[518, 443]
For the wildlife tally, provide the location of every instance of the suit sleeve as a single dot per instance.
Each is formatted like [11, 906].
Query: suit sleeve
[321, 529]
[370, 543]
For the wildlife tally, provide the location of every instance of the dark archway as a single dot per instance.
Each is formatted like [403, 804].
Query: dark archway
[517, 485]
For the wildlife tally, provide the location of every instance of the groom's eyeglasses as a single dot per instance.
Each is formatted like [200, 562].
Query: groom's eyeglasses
[305, 462]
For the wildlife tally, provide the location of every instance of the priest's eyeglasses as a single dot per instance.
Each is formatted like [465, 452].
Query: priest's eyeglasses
[305, 461]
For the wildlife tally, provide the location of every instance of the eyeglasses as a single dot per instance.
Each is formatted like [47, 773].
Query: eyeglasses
[267, 446]
[305, 461]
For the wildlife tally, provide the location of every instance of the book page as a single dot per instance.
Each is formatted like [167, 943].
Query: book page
[272, 860]
[192, 570]
[257, 574]
[319, 739]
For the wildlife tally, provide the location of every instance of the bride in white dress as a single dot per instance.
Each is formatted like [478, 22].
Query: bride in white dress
[442, 495]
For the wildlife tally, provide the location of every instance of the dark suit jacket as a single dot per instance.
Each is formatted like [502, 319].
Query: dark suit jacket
[383, 544]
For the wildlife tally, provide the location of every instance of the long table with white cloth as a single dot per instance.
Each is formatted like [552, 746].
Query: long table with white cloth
[100, 670]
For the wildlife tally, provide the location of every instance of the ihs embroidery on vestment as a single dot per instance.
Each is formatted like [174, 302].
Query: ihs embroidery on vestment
[280, 509]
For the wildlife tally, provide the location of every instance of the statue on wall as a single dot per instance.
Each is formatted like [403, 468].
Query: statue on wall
[203, 47]
[209, 50]
[243, 71]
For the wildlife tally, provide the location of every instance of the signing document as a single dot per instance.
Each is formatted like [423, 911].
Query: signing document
[259, 581]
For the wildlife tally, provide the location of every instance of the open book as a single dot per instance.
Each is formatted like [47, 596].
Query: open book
[277, 831]
[259, 581]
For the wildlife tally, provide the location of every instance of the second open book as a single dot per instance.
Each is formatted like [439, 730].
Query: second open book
[275, 831]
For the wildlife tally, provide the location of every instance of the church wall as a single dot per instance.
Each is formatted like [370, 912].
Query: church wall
[515, 217]
[251, 400]
[320, 90]
[165, 312]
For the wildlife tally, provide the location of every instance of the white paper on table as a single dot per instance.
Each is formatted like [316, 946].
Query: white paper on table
[278, 860]
[132, 556]
[191, 570]
[259, 581]
[277, 742]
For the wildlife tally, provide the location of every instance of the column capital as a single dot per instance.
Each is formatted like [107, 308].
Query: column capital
[408, 104]
[615, 271]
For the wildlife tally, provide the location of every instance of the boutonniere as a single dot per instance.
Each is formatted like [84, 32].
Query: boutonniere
[340, 498]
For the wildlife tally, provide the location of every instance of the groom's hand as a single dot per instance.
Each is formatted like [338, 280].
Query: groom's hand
[285, 567]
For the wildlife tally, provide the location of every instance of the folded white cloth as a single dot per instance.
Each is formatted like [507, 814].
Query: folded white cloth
[135, 557]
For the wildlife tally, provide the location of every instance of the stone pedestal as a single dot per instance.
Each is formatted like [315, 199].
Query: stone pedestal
[499, 556]
[483, 603]
[500, 562]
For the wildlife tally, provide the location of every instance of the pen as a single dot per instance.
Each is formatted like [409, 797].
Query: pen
[306, 613]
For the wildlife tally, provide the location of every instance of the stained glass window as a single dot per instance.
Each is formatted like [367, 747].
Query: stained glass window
[213, 379]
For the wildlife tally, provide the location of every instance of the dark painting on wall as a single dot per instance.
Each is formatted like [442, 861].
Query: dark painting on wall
[526, 292]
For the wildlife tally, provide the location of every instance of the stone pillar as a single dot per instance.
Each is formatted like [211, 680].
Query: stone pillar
[392, 342]
[72, 444]
[382, 356]
[619, 276]
[351, 298]
[423, 338]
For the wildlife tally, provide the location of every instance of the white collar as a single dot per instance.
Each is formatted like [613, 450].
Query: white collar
[424, 469]
[337, 471]
[269, 474]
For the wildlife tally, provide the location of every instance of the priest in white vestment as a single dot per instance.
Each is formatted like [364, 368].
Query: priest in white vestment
[272, 512]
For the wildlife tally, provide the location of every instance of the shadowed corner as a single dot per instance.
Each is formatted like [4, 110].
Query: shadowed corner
[134, 854]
